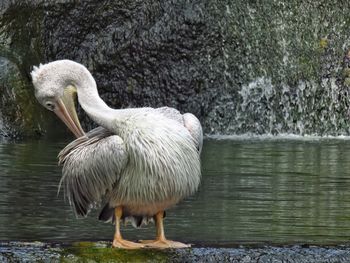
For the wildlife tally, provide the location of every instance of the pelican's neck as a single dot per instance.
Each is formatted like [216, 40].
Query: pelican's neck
[90, 100]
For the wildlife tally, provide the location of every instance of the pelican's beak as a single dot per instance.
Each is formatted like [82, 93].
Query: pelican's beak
[65, 110]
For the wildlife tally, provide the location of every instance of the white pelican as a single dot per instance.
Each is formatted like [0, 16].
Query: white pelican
[138, 163]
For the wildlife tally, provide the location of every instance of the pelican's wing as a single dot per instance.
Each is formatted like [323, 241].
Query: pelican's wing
[194, 126]
[91, 167]
[171, 113]
[190, 121]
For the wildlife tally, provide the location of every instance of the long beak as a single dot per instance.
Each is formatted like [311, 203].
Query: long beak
[65, 110]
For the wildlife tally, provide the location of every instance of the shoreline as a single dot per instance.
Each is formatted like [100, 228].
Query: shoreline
[101, 251]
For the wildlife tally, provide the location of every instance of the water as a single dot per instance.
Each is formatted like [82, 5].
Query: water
[279, 191]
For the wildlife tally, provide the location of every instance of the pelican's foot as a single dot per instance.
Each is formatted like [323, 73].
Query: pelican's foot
[163, 243]
[125, 244]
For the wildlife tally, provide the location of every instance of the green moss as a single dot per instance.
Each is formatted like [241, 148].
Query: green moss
[323, 43]
[102, 252]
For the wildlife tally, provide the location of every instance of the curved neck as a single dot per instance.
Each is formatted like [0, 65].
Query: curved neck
[90, 100]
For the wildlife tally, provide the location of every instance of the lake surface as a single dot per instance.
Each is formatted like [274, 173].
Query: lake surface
[252, 191]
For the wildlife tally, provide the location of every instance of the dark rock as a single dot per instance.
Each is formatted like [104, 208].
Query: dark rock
[19, 114]
[241, 67]
[102, 252]
[19, 49]
[143, 53]
[265, 254]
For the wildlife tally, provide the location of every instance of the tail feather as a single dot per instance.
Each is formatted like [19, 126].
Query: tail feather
[107, 214]
[138, 221]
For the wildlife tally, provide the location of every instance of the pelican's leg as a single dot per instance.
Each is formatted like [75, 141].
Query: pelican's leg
[161, 241]
[118, 241]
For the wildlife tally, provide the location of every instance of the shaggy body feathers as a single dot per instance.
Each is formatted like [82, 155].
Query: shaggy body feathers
[153, 153]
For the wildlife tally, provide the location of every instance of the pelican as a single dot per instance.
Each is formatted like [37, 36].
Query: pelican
[138, 163]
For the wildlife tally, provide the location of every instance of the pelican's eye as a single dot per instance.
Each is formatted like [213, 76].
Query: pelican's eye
[50, 105]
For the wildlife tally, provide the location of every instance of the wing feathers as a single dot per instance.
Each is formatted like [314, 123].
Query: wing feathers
[91, 167]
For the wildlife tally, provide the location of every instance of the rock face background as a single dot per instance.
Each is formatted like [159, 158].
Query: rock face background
[20, 47]
[241, 66]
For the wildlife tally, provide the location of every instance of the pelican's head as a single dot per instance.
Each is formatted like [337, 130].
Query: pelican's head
[54, 90]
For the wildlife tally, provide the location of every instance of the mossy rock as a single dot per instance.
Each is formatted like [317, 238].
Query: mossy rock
[103, 252]
[21, 114]
[20, 48]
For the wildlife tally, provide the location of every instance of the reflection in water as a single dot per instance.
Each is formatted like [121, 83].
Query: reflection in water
[252, 191]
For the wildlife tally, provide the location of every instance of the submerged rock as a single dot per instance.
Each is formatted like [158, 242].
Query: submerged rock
[241, 67]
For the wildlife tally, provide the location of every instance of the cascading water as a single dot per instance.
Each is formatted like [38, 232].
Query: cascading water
[308, 108]
[285, 68]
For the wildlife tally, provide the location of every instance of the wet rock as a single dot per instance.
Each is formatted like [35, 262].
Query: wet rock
[19, 49]
[241, 67]
[28, 252]
[144, 53]
[102, 252]
[19, 114]
[262, 255]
